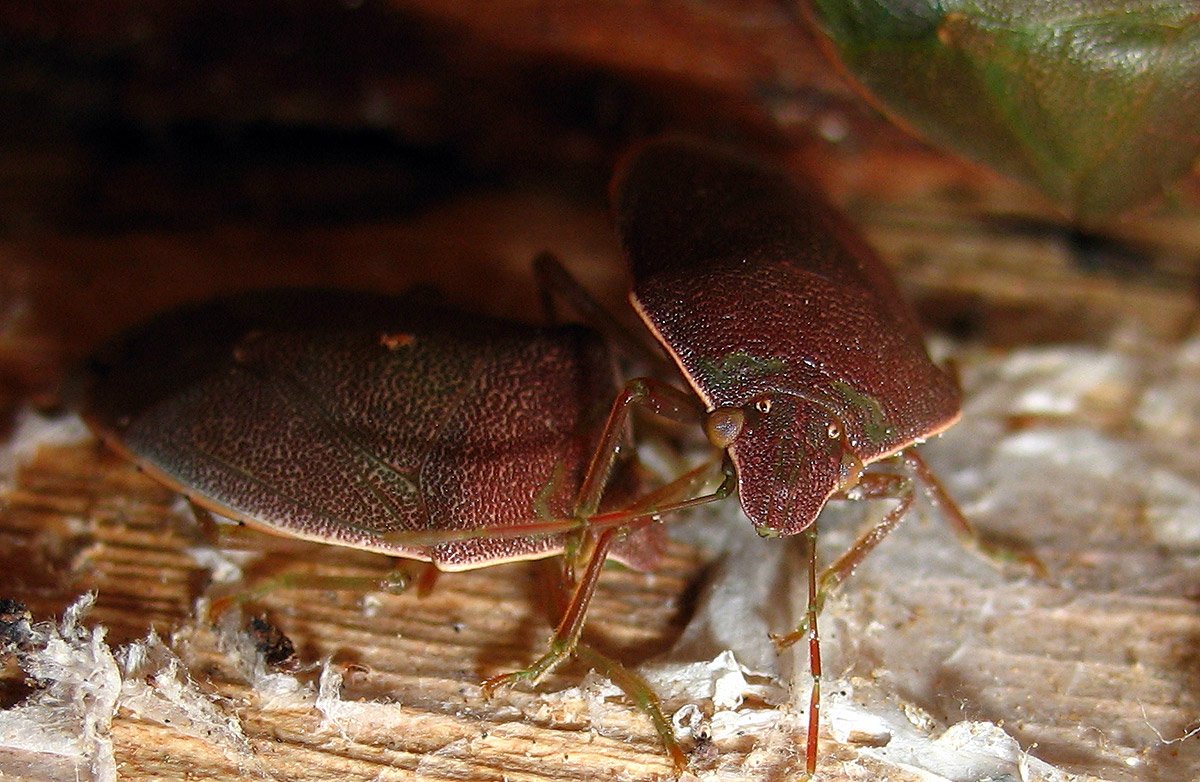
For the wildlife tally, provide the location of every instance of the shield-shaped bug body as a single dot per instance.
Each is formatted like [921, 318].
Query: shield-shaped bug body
[776, 311]
[389, 424]
[792, 333]
[382, 423]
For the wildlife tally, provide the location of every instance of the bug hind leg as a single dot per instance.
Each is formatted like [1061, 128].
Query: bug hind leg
[405, 575]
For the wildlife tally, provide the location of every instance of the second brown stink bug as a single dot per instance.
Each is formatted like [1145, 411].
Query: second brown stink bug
[395, 425]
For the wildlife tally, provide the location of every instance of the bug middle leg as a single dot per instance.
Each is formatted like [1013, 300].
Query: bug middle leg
[570, 626]
[592, 551]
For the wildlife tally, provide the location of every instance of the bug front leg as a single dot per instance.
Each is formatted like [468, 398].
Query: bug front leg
[642, 695]
[873, 486]
[597, 533]
[594, 549]
[566, 643]
[814, 656]
[870, 486]
[662, 399]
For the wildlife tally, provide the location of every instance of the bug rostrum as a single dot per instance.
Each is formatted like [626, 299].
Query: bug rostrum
[395, 425]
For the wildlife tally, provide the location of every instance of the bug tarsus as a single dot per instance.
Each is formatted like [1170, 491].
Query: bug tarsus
[642, 695]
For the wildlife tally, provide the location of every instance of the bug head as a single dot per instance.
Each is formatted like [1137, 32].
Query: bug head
[790, 454]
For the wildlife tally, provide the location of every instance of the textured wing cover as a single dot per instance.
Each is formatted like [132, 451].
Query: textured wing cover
[339, 417]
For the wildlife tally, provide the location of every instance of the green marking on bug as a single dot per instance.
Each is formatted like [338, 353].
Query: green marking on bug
[877, 428]
[739, 366]
[541, 500]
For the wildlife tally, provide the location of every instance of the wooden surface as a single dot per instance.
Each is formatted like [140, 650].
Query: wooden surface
[1079, 362]
[78, 519]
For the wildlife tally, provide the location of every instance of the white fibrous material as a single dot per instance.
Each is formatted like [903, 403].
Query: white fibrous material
[156, 687]
[82, 684]
[69, 716]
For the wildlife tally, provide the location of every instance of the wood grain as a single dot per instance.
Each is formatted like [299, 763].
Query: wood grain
[488, 139]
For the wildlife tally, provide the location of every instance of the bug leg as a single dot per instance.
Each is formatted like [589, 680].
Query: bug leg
[815, 598]
[994, 551]
[427, 579]
[398, 580]
[553, 279]
[594, 549]
[566, 635]
[642, 695]
[658, 503]
[889, 485]
[870, 486]
[599, 531]
[209, 528]
[659, 398]
[666, 499]
[565, 643]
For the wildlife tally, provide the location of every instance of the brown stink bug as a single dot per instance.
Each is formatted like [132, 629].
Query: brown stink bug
[394, 425]
[808, 361]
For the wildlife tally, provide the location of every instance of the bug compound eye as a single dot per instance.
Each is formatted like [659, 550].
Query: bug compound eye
[723, 425]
